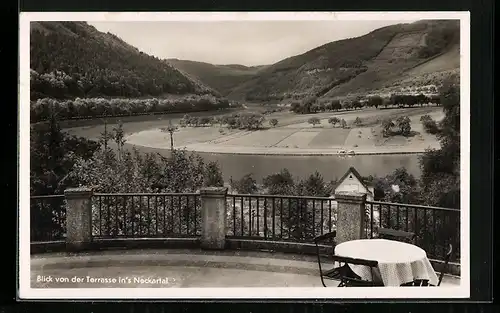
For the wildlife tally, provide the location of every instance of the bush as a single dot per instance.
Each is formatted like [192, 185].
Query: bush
[314, 121]
[430, 126]
[404, 125]
[333, 120]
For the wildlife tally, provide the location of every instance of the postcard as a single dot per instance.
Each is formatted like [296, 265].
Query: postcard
[238, 155]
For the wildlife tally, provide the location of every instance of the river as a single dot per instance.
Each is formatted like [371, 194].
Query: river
[330, 167]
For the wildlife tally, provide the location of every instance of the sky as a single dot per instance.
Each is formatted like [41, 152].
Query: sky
[235, 42]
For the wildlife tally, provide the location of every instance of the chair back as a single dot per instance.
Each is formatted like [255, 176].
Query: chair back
[348, 278]
[399, 235]
[445, 265]
[328, 238]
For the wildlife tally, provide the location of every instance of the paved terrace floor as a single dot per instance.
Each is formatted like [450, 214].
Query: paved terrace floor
[179, 268]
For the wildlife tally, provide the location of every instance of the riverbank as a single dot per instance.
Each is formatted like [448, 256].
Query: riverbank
[276, 151]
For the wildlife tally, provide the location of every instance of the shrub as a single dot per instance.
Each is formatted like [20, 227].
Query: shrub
[333, 120]
[404, 125]
[273, 122]
[429, 124]
[314, 121]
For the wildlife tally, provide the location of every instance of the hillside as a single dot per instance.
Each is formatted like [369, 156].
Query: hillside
[73, 59]
[384, 61]
[222, 78]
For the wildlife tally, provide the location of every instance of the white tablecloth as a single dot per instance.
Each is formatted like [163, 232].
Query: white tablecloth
[398, 262]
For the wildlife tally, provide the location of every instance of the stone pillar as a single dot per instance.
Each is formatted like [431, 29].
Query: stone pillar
[78, 218]
[213, 217]
[350, 216]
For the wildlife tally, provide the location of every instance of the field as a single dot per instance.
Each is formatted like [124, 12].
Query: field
[295, 136]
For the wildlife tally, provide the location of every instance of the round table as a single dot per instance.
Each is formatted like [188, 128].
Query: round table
[398, 262]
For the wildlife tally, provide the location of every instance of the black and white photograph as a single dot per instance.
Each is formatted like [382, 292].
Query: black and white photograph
[285, 155]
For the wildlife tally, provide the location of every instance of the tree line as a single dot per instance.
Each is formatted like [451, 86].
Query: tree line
[42, 109]
[313, 105]
[249, 121]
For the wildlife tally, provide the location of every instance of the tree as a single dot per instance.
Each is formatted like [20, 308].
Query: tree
[429, 124]
[357, 121]
[407, 187]
[213, 120]
[440, 178]
[195, 121]
[273, 122]
[375, 101]
[309, 101]
[387, 102]
[142, 173]
[119, 137]
[328, 106]
[314, 185]
[181, 172]
[53, 154]
[213, 175]
[218, 120]
[333, 120]
[347, 105]
[306, 106]
[249, 121]
[343, 123]
[105, 136]
[113, 175]
[336, 105]
[205, 120]
[183, 122]
[356, 104]
[422, 99]
[281, 183]
[299, 218]
[246, 185]
[436, 100]
[295, 107]
[404, 124]
[396, 100]
[314, 121]
[387, 125]
[171, 129]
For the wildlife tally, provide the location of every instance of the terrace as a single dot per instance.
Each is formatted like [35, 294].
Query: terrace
[215, 239]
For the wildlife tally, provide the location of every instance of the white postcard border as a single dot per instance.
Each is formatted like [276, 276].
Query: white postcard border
[25, 290]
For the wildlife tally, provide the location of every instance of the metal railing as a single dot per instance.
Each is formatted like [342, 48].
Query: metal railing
[264, 217]
[47, 218]
[145, 215]
[289, 218]
[435, 228]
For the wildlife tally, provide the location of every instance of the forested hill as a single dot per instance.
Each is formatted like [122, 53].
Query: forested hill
[222, 78]
[419, 55]
[74, 59]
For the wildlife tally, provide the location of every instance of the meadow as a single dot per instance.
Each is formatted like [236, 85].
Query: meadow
[297, 136]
